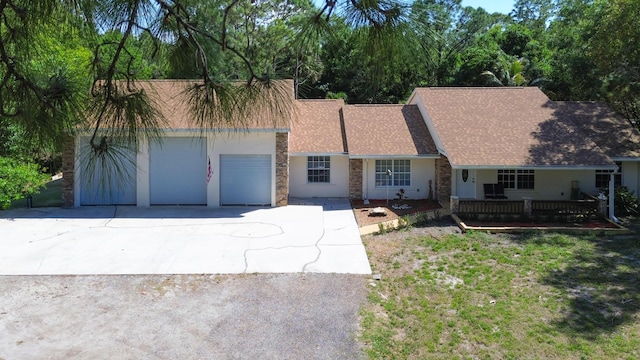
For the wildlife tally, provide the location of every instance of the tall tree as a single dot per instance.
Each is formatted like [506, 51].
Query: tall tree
[534, 14]
[445, 30]
[46, 104]
[614, 49]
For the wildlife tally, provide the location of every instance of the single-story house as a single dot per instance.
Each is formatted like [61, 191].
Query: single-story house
[444, 142]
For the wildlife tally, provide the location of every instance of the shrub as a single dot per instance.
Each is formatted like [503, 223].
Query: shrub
[422, 218]
[18, 180]
[625, 202]
[404, 222]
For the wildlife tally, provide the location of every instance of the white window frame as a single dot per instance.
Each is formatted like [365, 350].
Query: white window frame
[318, 169]
[604, 175]
[400, 173]
[511, 178]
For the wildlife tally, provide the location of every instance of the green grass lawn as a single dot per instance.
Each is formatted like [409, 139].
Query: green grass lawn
[481, 296]
[51, 196]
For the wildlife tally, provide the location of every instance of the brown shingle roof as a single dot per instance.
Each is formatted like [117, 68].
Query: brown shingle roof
[387, 130]
[611, 132]
[506, 127]
[169, 98]
[318, 128]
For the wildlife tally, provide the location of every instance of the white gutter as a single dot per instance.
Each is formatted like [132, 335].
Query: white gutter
[379, 157]
[541, 167]
[317, 154]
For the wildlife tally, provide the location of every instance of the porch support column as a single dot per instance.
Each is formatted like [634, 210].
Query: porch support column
[282, 168]
[68, 172]
[454, 204]
[612, 195]
[527, 207]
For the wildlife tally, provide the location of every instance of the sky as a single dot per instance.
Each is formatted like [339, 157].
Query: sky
[501, 6]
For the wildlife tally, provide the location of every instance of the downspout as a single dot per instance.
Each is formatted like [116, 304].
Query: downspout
[612, 194]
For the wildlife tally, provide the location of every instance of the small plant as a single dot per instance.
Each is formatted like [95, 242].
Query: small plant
[382, 229]
[422, 218]
[626, 202]
[404, 222]
[400, 194]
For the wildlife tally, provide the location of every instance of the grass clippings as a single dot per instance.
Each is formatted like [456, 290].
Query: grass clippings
[481, 296]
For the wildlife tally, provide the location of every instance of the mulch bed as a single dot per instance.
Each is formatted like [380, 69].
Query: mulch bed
[364, 214]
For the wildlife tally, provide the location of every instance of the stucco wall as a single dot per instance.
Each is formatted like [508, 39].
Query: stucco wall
[549, 184]
[338, 187]
[422, 170]
[630, 176]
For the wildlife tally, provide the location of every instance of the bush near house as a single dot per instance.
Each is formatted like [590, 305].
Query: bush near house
[626, 202]
[19, 179]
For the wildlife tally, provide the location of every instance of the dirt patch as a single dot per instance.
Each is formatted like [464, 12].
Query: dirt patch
[394, 209]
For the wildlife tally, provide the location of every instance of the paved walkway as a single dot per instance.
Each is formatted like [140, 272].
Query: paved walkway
[311, 235]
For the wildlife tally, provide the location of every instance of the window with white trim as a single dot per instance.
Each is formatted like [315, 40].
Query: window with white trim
[318, 169]
[602, 177]
[400, 173]
[517, 179]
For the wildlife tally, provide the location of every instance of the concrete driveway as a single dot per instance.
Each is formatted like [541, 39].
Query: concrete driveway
[311, 235]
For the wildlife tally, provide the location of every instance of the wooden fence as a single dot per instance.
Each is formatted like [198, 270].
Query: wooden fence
[564, 207]
[491, 207]
[538, 207]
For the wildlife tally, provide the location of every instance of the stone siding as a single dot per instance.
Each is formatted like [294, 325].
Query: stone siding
[443, 178]
[355, 178]
[282, 169]
[68, 172]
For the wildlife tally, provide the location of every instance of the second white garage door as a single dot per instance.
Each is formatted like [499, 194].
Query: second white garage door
[245, 179]
[178, 171]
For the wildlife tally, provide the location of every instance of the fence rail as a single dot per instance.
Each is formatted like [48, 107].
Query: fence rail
[564, 207]
[491, 207]
[538, 207]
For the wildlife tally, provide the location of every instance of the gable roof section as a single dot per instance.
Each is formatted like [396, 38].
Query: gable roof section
[505, 127]
[318, 128]
[387, 130]
[170, 99]
[610, 131]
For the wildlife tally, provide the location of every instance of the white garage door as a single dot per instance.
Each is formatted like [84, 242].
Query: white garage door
[178, 171]
[107, 180]
[245, 179]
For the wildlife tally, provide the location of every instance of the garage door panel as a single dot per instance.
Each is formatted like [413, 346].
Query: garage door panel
[109, 180]
[177, 171]
[245, 179]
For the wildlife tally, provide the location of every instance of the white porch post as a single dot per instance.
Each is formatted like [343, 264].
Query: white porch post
[612, 215]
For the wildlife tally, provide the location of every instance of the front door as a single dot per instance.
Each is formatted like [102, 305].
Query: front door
[466, 183]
